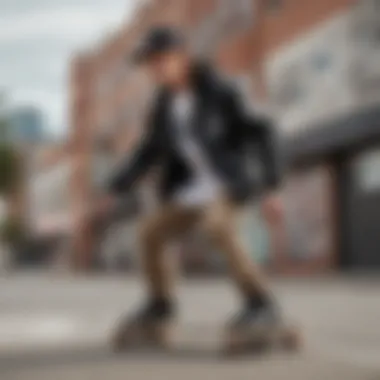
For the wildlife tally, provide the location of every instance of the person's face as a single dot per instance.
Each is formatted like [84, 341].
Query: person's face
[168, 68]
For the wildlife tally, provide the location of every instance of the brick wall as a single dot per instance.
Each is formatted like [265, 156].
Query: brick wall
[292, 18]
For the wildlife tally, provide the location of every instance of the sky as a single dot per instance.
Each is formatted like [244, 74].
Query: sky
[37, 39]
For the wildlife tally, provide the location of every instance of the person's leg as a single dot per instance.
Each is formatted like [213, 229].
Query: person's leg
[220, 223]
[152, 322]
[259, 323]
[156, 232]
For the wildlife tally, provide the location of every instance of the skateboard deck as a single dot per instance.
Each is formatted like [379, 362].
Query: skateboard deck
[260, 339]
[134, 335]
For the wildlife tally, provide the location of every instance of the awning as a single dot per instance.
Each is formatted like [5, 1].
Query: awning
[334, 136]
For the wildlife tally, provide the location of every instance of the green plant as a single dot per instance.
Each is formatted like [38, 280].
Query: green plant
[9, 169]
[9, 160]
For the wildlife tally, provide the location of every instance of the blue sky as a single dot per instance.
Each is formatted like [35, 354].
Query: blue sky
[37, 39]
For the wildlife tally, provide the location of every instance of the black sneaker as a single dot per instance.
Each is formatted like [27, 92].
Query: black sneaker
[256, 329]
[149, 325]
[264, 316]
[154, 311]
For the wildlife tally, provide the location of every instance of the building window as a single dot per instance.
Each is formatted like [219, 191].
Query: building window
[237, 9]
[308, 214]
[366, 41]
[103, 161]
[228, 18]
[290, 89]
[273, 5]
[367, 170]
[367, 23]
[376, 5]
[321, 61]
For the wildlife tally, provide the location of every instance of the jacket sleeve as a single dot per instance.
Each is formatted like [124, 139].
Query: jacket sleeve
[269, 147]
[141, 160]
[251, 129]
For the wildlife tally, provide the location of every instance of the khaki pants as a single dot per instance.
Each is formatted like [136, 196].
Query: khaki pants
[218, 221]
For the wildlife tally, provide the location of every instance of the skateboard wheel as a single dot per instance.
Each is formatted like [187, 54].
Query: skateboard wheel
[240, 342]
[136, 336]
[287, 338]
[124, 338]
[292, 340]
[159, 335]
[234, 343]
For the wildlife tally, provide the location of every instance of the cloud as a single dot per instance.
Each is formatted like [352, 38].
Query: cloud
[70, 23]
[37, 39]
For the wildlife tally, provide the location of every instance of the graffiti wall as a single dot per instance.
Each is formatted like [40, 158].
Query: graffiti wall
[309, 210]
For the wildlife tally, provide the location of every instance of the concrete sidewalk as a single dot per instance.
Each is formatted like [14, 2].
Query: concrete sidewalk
[100, 366]
[60, 329]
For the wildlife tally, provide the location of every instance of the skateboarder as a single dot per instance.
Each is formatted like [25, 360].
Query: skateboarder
[196, 133]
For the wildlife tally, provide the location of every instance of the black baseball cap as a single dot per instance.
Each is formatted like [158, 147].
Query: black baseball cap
[157, 40]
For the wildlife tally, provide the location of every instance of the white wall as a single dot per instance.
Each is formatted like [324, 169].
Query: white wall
[49, 197]
[315, 77]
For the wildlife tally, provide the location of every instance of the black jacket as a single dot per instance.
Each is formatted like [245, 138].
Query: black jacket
[224, 130]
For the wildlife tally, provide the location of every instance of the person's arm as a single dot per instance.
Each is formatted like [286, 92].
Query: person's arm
[129, 170]
[249, 128]
[122, 180]
[270, 150]
[141, 160]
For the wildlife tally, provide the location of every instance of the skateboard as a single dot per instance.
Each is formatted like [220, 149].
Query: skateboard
[134, 335]
[131, 336]
[261, 339]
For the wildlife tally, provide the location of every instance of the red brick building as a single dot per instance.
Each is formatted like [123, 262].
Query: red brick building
[322, 85]
[252, 41]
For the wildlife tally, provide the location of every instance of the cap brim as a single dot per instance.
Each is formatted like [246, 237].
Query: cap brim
[146, 52]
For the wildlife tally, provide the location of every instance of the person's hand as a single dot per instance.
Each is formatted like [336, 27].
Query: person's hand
[272, 208]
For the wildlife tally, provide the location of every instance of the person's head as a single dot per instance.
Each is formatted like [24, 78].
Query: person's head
[164, 55]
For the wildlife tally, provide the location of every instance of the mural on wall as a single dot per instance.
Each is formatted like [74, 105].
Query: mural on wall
[308, 214]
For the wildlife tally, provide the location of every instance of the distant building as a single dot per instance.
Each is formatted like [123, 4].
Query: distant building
[27, 125]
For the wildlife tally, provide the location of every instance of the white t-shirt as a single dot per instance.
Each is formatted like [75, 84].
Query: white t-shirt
[204, 185]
